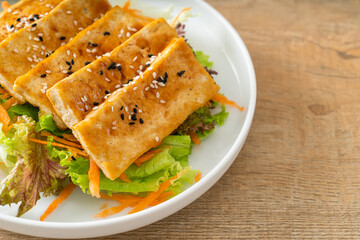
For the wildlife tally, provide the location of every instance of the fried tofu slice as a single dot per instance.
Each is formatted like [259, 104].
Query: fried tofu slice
[99, 38]
[140, 115]
[74, 97]
[23, 14]
[21, 51]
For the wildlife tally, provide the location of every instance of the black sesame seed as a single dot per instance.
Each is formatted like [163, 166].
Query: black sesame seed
[166, 75]
[101, 72]
[87, 63]
[31, 19]
[41, 39]
[159, 79]
[36, 16]
[47, 55]
[122, 116]
[62, 38]
[112, 66]
[147, 65]
[73, 158]
[70, 72]
[150, 55]
[130, 80]
[96, 103]
[70, 67]
[18, 20]
[106, 33]
[72, 61]
[12, 26]
[134, 110]
[136, 105]
[120, 68]
[181, 73]
[34, 25]
[107, 92]
[53, 51]
[68, 63]
[131, 123]
[133, 117]
[141, 121]
[43, 75]
[94, 44]
[122, 107]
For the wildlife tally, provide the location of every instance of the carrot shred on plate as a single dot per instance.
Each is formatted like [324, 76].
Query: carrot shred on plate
[70, 138]
[125, 178]
[94, 179]
[71, 149]
[194, 137]
[136, 13]
[4, 119]
[198, 176]
[103, 206]
[153, 195]
[111, 211]
[122, 198]
[9, 103]
[5, 5]
[173, 24]
[224, 100]
[147, 156]
[47, 134]
[64, 195]
[5, 95]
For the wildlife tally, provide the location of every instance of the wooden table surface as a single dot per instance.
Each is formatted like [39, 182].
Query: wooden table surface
[298, 175]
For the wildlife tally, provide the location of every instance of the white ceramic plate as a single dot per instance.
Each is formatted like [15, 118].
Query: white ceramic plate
[211, 33]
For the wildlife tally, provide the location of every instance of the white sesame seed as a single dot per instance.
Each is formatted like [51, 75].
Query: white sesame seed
[126, 109]
[136, 78]
[88, 33]
[156, 86]
[128, 34]
[95, 108]
[48, 5]
[64, 71]
[68, 52]
[141, 67]
[62, 44]
[154, 74]
[140, 111]
[61, 68]
[75, 22]
[112, 109]
[68, 12]
[30, 37]
[118, 86]
[36, 60]
[141, 75]
[118, 65]
[30, 59]
[134, 89]
[94, 50]
[157, 95]
[132, 29]
[129, 117]
[107, 54]
[16, 51]
[95, 19]
[42, 90]
[32, 65]
[154, 82]
[88, 50]
[40, 59]
[43, 47]
[147, 89]
[85, 98]
[48, 71]
[162, 101]
[135, 59]
[81, 28]
[9, 10]
[86, 107]
[37, 39]
[152, 85]
[74, 55]
[131, 66]
[157, 139]
[89, 70]
[122, 31]
[42, 53]
[161, 84]
[114, 128]
[108, 80]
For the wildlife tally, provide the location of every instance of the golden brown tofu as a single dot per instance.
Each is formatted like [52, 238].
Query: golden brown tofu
[91, 43]
[138, 116]
[22, 50]
[74, 97]
[23, 14]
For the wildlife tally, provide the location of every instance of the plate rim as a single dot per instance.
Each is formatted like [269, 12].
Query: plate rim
[169, 207]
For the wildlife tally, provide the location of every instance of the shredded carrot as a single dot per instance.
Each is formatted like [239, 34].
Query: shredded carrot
[103, 206]
[5, 96]
[111, 211]
[70, 138]
[71, 149]
[222, 99]
[178, 16]
[9, 103]
[124, 177]
[147, 156]
[152, 196]
[122, 198]
[5, 5]
[4, 119]
[127, 5]
[47, 134]
[194, 137]
[94, 179]
[136, 13]
[198, 177]
[64, 194]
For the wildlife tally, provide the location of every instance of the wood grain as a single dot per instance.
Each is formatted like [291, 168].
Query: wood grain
[298, 175]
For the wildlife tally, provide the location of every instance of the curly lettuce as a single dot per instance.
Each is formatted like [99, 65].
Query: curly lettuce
[31, 170]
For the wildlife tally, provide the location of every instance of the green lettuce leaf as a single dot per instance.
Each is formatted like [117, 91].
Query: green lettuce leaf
[46, 123]
[204, 59]
[33, 171]
[25, 109]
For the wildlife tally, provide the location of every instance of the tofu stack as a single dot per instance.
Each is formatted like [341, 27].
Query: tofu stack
[76, 96]
[100, 38]
[23, 14]
[21, 51]
[138, 116]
